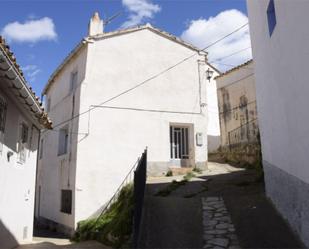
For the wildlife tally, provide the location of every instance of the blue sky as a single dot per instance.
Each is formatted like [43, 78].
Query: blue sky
[57, 26]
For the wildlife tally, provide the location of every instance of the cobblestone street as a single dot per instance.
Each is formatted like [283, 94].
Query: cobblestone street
[219, 230]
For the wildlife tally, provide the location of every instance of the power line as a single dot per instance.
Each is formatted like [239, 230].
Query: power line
[236, 30]
[149, 79]
[230, 65]
[230, 55]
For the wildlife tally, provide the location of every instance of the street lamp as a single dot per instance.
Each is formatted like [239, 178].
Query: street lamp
[209, 74]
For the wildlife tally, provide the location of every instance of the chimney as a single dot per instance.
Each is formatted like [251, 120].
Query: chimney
[95, 25]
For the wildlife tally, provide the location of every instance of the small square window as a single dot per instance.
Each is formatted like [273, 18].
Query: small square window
[63, 141]
[41, 149]
[271, 17]
[73, 81]
[66, 201]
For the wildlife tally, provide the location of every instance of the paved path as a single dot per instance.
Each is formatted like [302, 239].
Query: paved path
[176, 221]
[172, 223]
[219, 231]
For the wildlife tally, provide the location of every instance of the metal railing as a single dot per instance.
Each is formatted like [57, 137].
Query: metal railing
[137, 175]
[128, 179]
[246, 133]
[139, 191]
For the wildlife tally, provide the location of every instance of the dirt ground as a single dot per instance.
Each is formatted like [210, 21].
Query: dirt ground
[257, 223]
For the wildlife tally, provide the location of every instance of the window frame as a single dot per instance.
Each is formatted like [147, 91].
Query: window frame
[73, 85]
[3, 109]
[23, 140]
[63, 148]
[271, 17]
[63, 203]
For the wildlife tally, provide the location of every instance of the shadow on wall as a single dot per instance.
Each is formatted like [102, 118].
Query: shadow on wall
[213, 143]
[7, 240]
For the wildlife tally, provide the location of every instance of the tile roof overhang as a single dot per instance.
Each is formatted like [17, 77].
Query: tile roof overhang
[12, 76]
[234, 69]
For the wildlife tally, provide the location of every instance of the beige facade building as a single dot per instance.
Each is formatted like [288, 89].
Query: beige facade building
[237, 106]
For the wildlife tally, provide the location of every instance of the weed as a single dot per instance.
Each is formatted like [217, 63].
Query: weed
[188, 176]
[113, 228]
[198, 170]
[169, 173]
[170, 188]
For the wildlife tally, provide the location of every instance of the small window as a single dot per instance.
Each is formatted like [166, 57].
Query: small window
[41, 149]
[271, 17]
[3, 107]
[23, 140]
[2, 114]
[73, 82]
[63, 141]
[48, 104]
[66, 201]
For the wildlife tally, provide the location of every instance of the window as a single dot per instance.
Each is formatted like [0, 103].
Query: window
[271, 17]
[179, 142]
[63, 141]
[2, 121]
[66, 201]
[23, 140]
[48, 104]
[41, 149]
[73, 82]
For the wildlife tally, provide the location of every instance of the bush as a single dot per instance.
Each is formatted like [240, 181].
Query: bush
[113, 228]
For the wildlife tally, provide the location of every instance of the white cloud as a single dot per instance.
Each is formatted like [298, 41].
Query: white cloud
[202, 32]
[139, 10]
[31, 71]
[30, 31]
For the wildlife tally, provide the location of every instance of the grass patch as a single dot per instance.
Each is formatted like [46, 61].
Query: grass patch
[171, 187]
[114, 228]
[198, 170]
[169, 173]
[188, 176]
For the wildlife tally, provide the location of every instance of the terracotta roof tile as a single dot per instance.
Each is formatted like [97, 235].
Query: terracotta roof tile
[42, 117]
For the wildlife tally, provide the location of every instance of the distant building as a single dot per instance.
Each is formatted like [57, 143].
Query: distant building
[96, 144]
[237, 106]
[21, 119]
[280, 43]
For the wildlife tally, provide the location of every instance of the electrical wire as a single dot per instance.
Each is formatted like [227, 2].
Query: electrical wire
[149, 79]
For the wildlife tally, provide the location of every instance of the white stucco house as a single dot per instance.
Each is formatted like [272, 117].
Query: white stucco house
[280, 38]
[115, 94]
[21, 119]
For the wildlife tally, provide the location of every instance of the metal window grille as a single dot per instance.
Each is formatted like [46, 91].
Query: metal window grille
[179, 142]
[22, 151]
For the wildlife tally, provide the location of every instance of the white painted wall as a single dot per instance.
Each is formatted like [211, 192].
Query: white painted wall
[58, 172]
[213, 130]
[281, 66]
[282, 83]
[17, 180]
[116, 138]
